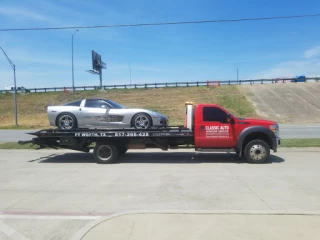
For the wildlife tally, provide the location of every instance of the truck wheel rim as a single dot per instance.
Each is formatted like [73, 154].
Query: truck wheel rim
[104, 152]
[258, 152]
[66, 122]
[141, 122]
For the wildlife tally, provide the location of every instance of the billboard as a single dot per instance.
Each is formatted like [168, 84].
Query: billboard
[96, 61]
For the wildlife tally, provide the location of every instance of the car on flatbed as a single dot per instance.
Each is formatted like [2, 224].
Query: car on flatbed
[207, 128]
[102, 113]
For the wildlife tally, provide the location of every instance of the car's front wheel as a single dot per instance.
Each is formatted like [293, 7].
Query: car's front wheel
[67, 121]
[141, 121]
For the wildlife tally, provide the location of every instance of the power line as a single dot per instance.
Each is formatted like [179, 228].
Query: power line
[161, 23]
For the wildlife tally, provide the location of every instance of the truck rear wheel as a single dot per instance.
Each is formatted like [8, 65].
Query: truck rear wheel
[257, 151]
[105, 153]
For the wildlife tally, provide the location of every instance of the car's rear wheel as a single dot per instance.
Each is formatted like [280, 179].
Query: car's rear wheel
[66, 121]
[141, 121]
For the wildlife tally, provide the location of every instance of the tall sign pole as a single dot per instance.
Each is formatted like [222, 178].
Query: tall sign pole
[100, 74]
[15, 86]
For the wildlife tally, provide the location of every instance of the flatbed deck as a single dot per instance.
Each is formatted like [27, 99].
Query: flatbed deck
[115, 133]
[130, 138]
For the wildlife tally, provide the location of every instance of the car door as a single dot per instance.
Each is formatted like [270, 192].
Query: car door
[215, 130]
[94, 112]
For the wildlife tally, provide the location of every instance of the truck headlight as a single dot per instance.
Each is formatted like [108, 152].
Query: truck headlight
[275, 128]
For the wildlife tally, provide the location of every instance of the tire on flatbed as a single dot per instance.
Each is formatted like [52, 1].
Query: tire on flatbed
[256, 151]
[105, 153]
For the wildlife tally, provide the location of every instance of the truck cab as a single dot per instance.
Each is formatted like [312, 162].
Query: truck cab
[215, 128]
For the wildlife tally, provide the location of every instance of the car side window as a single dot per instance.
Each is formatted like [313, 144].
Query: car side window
[214, 114]
[92, 103]
[75, 104]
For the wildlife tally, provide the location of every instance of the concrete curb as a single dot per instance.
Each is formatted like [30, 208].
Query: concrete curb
[87, 228]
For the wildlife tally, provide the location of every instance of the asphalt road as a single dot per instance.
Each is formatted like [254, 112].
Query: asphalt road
[300, 130]
[286, 131]
[55, 194]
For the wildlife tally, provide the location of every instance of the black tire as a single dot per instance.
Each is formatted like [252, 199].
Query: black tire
[105, 153]
[66, 121]
[256, 151]
[141, 121]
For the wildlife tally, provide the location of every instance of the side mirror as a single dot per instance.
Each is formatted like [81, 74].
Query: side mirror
[230, 118]
[104, 106]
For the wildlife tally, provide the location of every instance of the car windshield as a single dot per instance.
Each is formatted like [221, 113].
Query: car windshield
[113, 104]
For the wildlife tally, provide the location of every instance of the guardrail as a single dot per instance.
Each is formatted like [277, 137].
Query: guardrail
[170, 84]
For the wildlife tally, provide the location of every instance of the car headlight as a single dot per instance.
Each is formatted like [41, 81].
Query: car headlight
[275, 128]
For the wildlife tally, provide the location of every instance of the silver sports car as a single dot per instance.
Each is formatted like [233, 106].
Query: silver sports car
[102, 113]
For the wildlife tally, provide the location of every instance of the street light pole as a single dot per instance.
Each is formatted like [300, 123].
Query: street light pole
[72, 60]
[237, 75]
[15, 86]
[130, 72]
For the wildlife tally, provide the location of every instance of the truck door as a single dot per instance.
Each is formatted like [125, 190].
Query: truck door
[214, 130]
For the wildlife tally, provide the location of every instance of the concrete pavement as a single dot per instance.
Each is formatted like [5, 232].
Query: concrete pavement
[57, 193]
[206, 226]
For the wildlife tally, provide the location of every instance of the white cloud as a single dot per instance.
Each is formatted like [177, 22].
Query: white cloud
[313, 52]
[308, 65]
[23, 13]
[291, 69]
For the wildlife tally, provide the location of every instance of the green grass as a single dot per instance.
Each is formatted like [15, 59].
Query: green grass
[291, 142]
[300, 142]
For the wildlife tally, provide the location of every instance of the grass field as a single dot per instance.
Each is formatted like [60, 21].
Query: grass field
[291, 142]
[169, 101]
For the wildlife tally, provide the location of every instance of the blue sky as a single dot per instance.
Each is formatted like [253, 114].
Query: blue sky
[199, 52]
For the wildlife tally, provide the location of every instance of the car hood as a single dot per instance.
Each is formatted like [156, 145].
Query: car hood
[255, 121]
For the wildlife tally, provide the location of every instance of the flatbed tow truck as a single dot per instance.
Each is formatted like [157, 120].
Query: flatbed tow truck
[207, 128]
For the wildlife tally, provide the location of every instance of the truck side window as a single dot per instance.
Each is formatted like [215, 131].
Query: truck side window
[213, 114]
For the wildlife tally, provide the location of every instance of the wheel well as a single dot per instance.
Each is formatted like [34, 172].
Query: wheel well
[66, 113]
[141, 113]
[253, 136]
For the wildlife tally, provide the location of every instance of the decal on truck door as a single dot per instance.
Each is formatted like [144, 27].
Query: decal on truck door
[217, 131]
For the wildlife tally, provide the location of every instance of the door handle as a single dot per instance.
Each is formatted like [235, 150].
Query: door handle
[79, 109]
[201, 128]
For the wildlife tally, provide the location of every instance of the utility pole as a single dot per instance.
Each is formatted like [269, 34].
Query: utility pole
[130, 72]
[72, 59]
[15, 86]
[237, 76]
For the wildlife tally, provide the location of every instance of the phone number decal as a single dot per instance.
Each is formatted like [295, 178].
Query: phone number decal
[116, 134]
[131, 134]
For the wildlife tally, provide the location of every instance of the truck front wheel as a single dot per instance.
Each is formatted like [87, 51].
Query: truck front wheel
[257, 151]
[105, 153]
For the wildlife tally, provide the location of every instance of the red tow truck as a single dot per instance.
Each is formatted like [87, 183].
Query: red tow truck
[207, 128]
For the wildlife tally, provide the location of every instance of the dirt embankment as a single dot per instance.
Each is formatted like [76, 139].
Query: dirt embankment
[286, 102]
